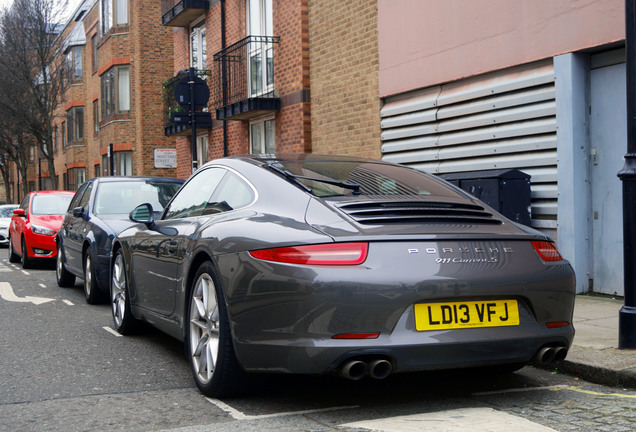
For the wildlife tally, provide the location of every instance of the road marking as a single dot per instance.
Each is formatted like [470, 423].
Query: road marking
[590, 392]
[238, 415]
[43, 286]
[111, 331]
[68, 302]
[463, 419]
[519, 390]
[6, 292]
[26, 272]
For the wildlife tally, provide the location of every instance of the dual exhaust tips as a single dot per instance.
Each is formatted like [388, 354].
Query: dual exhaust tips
[358, 369]
[548, 354]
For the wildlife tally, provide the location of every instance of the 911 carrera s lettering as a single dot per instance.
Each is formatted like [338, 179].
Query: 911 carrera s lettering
[440, 316]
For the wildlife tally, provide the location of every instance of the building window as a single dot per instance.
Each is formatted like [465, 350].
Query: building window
[261, 56]
[75, 124]
[262, 136]
[96, 116]
[74, 69]
[113, 11]
[123, 163]
[75, 177]
[105, 165]
[121, 12]
[55, 134]
[198, 49]
[202, 150]
[63, 135]
[94, 46]
[115, 91]
[32, 154]
[97, 170]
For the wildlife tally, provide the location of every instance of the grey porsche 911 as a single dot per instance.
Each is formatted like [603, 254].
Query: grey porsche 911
[310, 264]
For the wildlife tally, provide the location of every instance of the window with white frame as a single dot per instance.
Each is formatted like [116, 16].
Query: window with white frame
[123, 163]
[202, 150]
[262, 136]
[261, 56]
[112, 12]
[115, 91]
[198, 49]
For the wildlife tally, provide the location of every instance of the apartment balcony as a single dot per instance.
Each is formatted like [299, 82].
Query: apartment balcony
[181, 13]
[178, 119]
[243, 82]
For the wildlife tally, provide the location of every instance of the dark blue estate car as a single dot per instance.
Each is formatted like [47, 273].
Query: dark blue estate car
[98, 212]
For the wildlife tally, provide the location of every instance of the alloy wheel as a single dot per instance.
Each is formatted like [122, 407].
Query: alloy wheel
[118, 291]
[204, 328]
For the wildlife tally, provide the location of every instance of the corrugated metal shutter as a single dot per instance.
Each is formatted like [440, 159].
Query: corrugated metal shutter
[505, 119]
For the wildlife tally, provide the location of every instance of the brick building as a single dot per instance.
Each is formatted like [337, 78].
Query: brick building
[284, 76]
[110, 121]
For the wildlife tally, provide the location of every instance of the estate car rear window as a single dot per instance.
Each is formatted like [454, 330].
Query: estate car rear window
[364, 178]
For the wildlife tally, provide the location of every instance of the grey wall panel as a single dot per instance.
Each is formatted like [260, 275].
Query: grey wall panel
[505, 119]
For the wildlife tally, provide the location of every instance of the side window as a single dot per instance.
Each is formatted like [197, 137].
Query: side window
[24, 205]
[233, 193]
[77, 197]
[194, 196]
[86, 196]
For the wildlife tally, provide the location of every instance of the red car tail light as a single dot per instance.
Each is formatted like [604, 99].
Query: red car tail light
[322, 254]
[547, 250]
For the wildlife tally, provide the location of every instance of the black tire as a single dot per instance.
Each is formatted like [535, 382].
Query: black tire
[26, 261]
[65, 279]
[91, 289]
[125, 322]
[204, 322]
[13, 257]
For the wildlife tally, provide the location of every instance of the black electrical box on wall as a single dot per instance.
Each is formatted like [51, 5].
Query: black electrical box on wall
[505, 190]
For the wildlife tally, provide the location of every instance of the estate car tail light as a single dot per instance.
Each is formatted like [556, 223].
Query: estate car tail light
[322, 254]
[547, 250]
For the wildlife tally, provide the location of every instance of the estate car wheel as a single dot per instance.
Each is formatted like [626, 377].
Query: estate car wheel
[13, 257]
[208, 340]
[64, 278]
[91, 290]
[125, 323]
[26, 261]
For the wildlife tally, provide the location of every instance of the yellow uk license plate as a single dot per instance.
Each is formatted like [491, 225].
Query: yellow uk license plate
[470, 314]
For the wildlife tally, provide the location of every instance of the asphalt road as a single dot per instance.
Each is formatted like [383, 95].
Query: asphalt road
[62, 368]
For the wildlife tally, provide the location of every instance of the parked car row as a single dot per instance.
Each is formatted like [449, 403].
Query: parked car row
[311, 264]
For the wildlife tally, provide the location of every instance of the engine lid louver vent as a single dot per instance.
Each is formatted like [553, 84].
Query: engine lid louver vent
[386, 212]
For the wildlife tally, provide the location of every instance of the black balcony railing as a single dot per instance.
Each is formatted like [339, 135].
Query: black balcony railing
[180, 13]
[243, 82]
[177, 118]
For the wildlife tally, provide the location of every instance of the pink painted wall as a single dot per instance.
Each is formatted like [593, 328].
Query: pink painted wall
[428, 42]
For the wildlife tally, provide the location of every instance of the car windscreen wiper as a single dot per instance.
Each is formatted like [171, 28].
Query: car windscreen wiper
[355, 187]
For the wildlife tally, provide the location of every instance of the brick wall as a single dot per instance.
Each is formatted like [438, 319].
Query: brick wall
[345, 108]
[146, 47]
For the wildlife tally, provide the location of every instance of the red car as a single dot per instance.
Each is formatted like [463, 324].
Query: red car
[35, 224]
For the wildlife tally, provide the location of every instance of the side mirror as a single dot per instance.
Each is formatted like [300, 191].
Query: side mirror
[78, 212]
[143, 214]
[19, 212]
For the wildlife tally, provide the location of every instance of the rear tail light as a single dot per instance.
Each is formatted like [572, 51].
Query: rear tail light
[322, 254]
[547, 250]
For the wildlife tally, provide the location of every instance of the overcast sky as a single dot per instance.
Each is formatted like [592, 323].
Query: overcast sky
[72, 4]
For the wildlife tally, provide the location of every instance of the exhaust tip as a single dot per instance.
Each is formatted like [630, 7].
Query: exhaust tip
[560, 353]
[353, 369]
[380, 369]
[545, 355]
